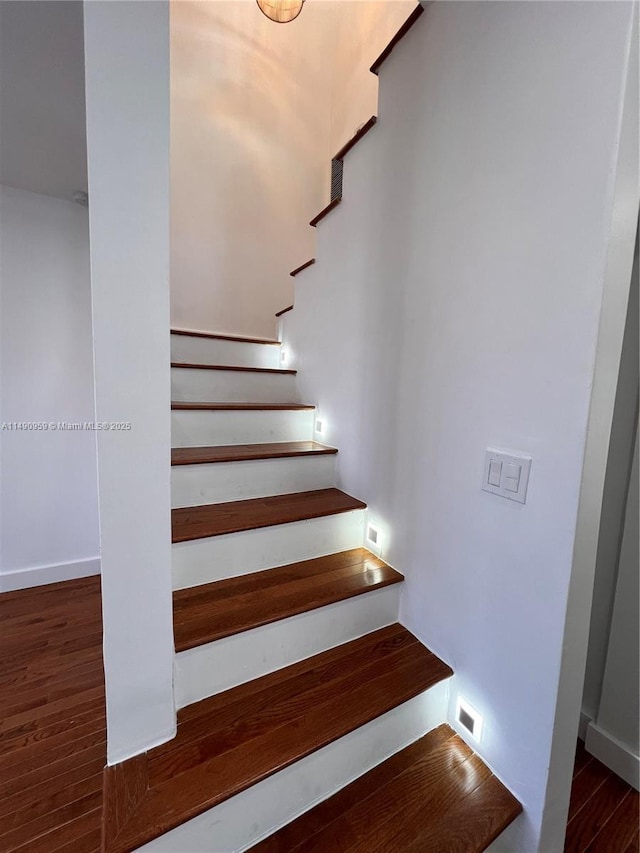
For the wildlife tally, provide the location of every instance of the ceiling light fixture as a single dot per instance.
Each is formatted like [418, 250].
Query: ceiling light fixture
[281, 11]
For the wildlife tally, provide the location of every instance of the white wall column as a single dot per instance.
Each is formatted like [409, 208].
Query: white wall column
[127, 89]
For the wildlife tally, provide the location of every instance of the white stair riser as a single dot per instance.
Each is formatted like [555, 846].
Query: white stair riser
[217, 666]
[233, 554]
[231, 386]
[192, 485]
[192, 428]
[243, 820]
[214, 351]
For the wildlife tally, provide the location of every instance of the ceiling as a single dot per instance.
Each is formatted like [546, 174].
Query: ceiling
[42, 112]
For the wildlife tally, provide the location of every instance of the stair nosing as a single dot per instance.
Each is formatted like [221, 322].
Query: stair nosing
[239, 456]
[197, 405]
[274, 615]
[188, 365]
[355, 505]
[221, 337]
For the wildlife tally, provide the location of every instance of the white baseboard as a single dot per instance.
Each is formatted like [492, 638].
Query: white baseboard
[613, 754]
[40, 575]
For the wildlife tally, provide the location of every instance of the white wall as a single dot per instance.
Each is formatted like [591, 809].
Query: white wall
[49, 513]
[127, 79]
[257, 111]
[459, 286]
[614, 736]
[614, 500]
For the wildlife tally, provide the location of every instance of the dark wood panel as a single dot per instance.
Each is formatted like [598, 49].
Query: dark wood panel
[324, 212]
[198, 366]
[240, 407]
[362, 131]
[197, 522]
[424, 798]
[247, 452]
[209, 612]
[52, 732]
[234, 739]
[304, 266]
[220, 337]
[404, 29]
[284, 310]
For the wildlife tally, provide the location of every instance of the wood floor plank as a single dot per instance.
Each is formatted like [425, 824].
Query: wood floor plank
[585, 784]
[619, 831]
[586, 823]
[216, 610]
[52, 732]
[245, 452]
[197, 522]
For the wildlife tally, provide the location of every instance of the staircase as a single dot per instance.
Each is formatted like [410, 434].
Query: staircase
[305, 709]
[309, 719]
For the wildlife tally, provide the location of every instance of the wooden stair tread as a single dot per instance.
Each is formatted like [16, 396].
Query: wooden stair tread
[179, 405]
[215, 610]
[221, 337]
[246, 452]
[232, 740]
[434, 795]
[284, 310]
[233, 367]
[302, 267]
[197, 522]
[324, 212]
[404, 29]
[357, 136]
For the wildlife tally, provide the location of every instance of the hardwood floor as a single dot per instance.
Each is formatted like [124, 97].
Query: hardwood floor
[604, 811]
[52, 728]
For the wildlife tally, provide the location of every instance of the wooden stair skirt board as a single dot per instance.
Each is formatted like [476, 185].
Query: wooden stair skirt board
[284, 310]
[247, 452]
[404, 29]
[435, 796]
[212, 611]
[231, 741]
[220, 337]
[199, 522]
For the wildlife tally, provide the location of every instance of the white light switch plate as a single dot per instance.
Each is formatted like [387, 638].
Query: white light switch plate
[506, 474]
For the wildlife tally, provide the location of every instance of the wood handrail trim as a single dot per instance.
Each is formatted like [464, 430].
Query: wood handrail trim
[220, 337]
[357, 136]
[404, 29]
[284, 311]
[325, 211]
[304, 266]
